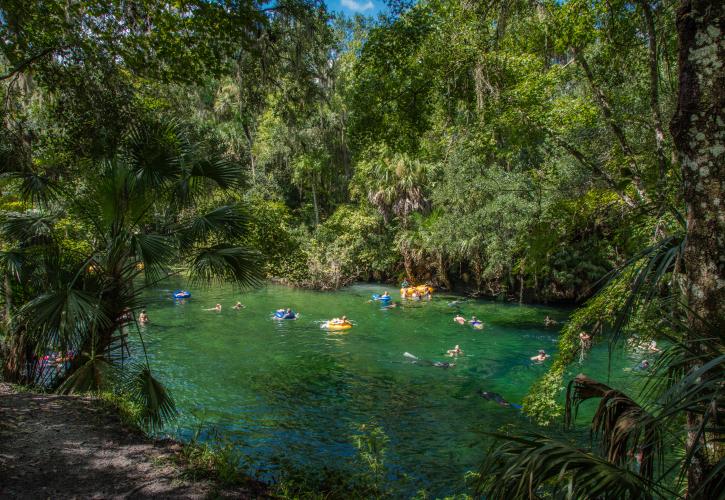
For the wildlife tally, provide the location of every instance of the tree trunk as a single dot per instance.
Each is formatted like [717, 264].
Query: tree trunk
[314, 202]
[655, 96]
[698, 130]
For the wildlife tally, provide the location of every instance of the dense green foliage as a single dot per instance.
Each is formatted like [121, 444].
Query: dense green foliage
[511, 149]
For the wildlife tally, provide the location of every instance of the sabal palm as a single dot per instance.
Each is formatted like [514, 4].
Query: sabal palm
[140, 220]
[398, 185]
[683, 399]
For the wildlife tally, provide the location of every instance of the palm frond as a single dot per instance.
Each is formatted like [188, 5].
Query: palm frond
[37, 188]
[29, 227]
[225, 263]
[154, 152]
[229, 222]
[96, 374]
[157, 405]
[63, 316]
[621, 424]
[153, 252]
[12, 262]
[223, 172]
[650, 267]
[535, 466]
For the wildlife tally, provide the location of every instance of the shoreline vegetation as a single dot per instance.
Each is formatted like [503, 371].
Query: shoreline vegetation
[556, 151]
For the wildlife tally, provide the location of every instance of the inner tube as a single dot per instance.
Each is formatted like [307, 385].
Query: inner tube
[420, 290]
[181, 294]
[336, 326]
[284, 315]
[382, 298]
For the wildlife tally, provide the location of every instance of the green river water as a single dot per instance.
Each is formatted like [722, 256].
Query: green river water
[290, 392]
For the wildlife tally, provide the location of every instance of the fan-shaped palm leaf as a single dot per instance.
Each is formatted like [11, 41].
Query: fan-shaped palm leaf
[37, 188]
[96, 374]
[28, 227]
[535, 466]
[142, 388]
[63, 316]
[223, 172]
[220, 263]
[153, 252]
[228, 222]
[154, 152]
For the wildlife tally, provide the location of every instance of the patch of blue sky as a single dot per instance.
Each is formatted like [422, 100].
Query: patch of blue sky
[354, 7]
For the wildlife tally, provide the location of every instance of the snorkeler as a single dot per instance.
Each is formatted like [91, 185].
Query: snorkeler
[498, 399]
[427, 362]
[217, 308]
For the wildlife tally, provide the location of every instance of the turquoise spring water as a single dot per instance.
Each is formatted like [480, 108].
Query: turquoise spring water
[290, 392]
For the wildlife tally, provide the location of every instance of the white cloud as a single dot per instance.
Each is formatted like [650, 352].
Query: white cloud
[357, 6]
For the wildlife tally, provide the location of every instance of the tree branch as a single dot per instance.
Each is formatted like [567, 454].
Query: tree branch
[606, 110]
[20, 67]
[654, 92]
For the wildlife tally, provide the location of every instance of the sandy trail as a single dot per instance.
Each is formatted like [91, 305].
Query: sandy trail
[68, 447]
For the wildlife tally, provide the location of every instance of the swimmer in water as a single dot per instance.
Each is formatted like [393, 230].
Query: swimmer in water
[542, 356]
[643, 366]
[549, 322]
[498, 399]
[436, 364]
[652, 347]
[390, 306]
[476, 323]
[143, 318]
[585, 339]
[217, 308]
[460, 320]
[238, 306]
[456, 351]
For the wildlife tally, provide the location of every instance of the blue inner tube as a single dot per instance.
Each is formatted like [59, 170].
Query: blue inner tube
[180, 294]
[382, 298]
[284, 315]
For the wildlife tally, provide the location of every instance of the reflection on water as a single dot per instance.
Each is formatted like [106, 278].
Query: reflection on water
[290, 391]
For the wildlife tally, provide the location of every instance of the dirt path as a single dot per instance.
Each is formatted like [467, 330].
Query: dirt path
[68, 447]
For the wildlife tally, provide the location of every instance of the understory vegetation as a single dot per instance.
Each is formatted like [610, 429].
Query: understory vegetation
[543, 151]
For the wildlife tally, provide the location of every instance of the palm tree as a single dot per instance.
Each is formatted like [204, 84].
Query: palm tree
[686, 380]
[140, 218]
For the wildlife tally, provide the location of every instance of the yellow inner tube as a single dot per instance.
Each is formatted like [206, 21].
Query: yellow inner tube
[420, 289]
[337, 326]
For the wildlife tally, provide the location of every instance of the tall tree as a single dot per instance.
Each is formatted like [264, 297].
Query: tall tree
[698, 130]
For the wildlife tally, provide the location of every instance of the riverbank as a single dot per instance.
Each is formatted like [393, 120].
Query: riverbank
[55, 446]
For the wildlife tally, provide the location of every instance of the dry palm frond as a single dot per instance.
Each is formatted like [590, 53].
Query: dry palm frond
[622, 426]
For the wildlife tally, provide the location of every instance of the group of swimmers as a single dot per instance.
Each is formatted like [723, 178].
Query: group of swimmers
[218, 307]
[474, 321]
